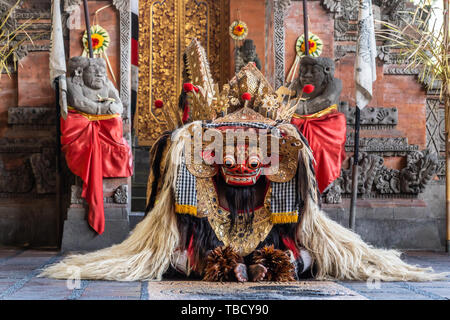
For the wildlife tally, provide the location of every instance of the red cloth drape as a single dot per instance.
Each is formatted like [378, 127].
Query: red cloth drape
[326, 137]
[95, 149]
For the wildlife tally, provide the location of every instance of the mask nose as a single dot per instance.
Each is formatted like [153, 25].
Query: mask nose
[242, 169]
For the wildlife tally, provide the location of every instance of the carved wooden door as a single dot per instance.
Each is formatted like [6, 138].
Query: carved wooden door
[166, 27]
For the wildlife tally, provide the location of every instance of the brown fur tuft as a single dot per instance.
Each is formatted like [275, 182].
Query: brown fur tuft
[220, 264]
[277, 262]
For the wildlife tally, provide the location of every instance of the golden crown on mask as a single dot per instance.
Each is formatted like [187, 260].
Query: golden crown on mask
[207, 102]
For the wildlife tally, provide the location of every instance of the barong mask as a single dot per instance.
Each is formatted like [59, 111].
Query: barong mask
[241, 134]
[242, 151]
[249, 134]
[185, 223]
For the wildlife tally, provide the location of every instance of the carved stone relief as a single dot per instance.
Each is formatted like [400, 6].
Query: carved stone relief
[441, 168]
[121, 194]
[5, 6]
[344, 13]
[34, 169]
[31, 116]
[44, 170]
[17, 179]
[381, 146]
[435, 126]
[280, 7]
[376, 180]
[371, 116]
[39, 31]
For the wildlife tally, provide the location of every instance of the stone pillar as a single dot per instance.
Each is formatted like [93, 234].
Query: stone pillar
[79, 236]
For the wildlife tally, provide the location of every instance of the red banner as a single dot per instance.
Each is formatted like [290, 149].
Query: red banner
[95, 148]
[326, 137]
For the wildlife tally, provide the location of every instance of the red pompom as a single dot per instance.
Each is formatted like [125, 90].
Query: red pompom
[159, 104]
[188, 87]
[308, 88]
[185, 113]
[195, 89]
[247, 96]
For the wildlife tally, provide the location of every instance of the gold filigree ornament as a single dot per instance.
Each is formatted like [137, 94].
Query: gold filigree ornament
[284, 164]
[197, 68]
[170, 113]
[194, 148]
[209, 103]
[240, 238]
[228, 110]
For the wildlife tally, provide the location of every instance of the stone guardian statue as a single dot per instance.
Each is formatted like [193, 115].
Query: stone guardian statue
[245, 54]
[92, 135]
[318, 119]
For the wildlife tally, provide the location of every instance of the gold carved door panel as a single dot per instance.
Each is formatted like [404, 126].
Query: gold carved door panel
[166, 27]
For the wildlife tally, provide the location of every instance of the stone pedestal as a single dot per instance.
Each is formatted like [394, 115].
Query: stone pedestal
[403, 224]
[79, 236]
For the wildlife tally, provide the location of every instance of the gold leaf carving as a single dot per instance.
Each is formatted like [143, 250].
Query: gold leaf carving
[161, 24]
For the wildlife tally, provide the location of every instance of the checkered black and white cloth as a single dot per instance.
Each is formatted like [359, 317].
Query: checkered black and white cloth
[186, 187]
[284, 197]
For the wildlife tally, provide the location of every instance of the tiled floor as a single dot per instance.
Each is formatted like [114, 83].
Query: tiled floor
[19, 268]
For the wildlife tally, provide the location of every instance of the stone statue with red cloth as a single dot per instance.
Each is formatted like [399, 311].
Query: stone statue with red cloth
[318, 119]
[92, 135]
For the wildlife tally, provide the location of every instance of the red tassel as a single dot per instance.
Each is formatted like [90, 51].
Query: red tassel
[308, 88]
[190, 251]
[246, 96]
[185, 113]
[188, 87]
[159, 104]
[290, 244]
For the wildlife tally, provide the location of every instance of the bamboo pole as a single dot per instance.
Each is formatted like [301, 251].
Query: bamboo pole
[305, 27]
[355, 171]
[446, 95]
[88, 28]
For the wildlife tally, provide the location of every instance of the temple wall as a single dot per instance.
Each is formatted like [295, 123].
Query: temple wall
[28, 216]
[28, 213]
[108, 18]
[252, 12]
[407, 120]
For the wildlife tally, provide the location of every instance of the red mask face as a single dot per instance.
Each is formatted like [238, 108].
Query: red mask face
[243, 171]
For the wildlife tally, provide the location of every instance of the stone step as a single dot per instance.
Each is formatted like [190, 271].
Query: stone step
[140, 177]
[139, 192]
[138, 204]
[135, 217]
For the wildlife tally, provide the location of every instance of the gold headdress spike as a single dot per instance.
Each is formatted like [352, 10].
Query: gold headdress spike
[197, 67]
[207, 102]
[265, 100]
[170, 112]
[248, 99]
